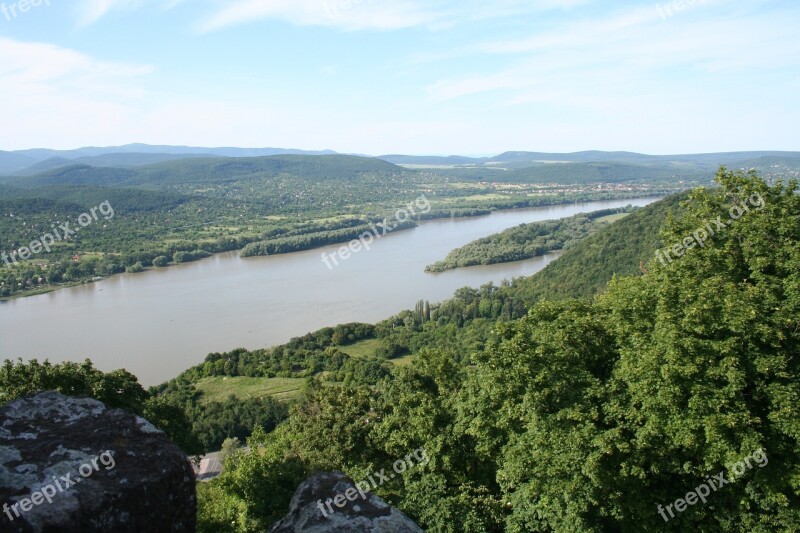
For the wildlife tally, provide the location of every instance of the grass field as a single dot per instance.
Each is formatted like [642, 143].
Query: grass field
[403, 361]
[218, 388]
[609, 219]
[365, 348]
[475, 198]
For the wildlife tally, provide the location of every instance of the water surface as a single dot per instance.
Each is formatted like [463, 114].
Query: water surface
[159, 323]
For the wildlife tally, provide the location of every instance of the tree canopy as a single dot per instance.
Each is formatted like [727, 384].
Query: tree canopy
[585, 415]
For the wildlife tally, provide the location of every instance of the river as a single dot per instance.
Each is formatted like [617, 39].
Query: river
[158, 323]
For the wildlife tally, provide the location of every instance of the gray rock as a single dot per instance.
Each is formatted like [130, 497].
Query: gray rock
[370, 515]
[91, 468]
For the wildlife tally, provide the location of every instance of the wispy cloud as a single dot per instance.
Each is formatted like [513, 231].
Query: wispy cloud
[378, 14]
[48, 90]
[61, 98]
[41, 63]
[346, 14]
[458, 75]
[90, 11]
[630, 49]
[343, 14]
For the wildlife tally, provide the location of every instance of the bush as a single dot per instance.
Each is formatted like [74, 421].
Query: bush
[135, 268]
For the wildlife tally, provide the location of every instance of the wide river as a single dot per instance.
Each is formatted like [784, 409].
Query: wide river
[159, 323]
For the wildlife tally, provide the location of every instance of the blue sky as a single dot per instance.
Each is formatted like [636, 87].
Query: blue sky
[425, 77]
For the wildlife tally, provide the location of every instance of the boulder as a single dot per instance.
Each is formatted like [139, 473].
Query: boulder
[308, 512]
[74, 465]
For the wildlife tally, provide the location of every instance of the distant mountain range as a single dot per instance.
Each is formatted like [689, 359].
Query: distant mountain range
[205, 170]
[516, 160]
[516, 166]
[34, 161]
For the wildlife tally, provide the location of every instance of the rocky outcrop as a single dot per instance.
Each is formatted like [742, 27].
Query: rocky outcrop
[331, 502]
[74, 465]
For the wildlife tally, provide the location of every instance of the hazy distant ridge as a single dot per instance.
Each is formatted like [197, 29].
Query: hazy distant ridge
[35, 161]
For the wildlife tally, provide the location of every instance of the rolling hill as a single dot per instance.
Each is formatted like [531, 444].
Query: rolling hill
[620, 249]
[27, 162]
[209, 170]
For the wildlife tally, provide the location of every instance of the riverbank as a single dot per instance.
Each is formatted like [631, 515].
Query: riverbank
[159, 322]
[438, 212]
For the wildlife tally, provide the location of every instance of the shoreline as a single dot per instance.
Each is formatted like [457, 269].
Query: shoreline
[418, 223]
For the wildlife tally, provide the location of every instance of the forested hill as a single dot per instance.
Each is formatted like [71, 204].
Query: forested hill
[594, 415]
[364, 353]
[210, 170]
[528, 240]
[620, 249]
[608, 172]
[186, 209]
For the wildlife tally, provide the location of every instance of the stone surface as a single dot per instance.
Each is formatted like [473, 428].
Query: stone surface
[136, 479]
[370, 515]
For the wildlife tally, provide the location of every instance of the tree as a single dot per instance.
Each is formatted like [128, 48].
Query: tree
[118, 389]
[172, 418]
[229, 447]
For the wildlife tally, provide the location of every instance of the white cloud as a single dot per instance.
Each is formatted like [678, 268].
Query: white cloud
[90, 11]
[347, 14]
[343, 14]
[631, 52]
[60, 98]
[51, 93]
[377, 14]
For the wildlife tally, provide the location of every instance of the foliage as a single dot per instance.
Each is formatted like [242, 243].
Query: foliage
[184, 210]
[622, 249]
[255, 489]
[583, 415]
[285, 245]
[525, 241]
[214, 422]
[117, 389]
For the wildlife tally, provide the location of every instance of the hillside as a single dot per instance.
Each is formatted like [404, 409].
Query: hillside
[569, 173]
[642, 392]
[620, 249]
[187, 208]
[24, 162]
[209, 170]
[524, 159]
[120, 160]
[527, 240]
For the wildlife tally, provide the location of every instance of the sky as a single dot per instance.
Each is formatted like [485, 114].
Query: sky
[378, 77]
